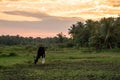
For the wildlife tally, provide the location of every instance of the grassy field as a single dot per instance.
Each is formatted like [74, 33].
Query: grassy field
[16, 63]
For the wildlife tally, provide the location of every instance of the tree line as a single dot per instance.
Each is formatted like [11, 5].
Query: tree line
[101, 34]
[19, 40]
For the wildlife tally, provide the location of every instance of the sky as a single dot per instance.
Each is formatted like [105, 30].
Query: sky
[46, 18]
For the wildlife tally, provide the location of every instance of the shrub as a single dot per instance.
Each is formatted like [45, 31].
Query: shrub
[3, 55]
[0, 52]
[12, 54]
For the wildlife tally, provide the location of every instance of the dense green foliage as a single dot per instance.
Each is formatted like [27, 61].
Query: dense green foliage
[104, 33]
[16, 63]
[18, 40]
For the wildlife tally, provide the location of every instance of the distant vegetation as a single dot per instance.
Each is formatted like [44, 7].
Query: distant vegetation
[102, 34]
[18, 40]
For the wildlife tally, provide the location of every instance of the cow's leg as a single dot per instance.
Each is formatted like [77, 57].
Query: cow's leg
[43, 59]
[36, 60]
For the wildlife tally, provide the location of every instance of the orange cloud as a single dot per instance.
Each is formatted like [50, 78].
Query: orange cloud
[17, 18]
[68, 8]
[114, 3]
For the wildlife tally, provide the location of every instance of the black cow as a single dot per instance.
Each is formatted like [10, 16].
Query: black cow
[40, 53]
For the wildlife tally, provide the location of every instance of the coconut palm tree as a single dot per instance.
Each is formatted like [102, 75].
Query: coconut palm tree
[108, 31]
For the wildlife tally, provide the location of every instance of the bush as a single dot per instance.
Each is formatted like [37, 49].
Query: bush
[12, 54]
[0, 52]
[3, 55]
[8, 55]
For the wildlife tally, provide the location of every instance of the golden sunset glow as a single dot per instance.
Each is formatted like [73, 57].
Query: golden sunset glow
[57, 10]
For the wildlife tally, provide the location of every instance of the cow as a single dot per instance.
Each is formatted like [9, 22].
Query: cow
[40, 53]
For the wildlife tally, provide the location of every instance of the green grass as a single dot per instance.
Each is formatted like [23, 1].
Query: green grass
[61, 64]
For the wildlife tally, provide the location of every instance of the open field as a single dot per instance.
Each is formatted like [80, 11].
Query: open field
[16, 63]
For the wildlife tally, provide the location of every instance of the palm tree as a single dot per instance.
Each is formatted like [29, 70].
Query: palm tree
[117, 31]
[76, 31]
[108, 31]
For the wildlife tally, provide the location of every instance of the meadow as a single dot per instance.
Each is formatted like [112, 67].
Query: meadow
[16, 63]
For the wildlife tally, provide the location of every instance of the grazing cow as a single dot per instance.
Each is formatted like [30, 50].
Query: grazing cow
[40, 53]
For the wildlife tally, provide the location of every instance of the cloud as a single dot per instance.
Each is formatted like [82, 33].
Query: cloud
[114, 3]
[38, 15]
[17, 18]
[69, 8]
[42, 16]
[50, 25]
[15, 0]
